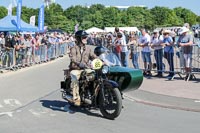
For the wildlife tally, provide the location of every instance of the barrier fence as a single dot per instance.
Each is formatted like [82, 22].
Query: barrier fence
[13, 59]
[177, 61]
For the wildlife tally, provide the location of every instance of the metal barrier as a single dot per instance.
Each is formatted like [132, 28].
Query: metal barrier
[12, 59]
[178, 62]
[7, 59]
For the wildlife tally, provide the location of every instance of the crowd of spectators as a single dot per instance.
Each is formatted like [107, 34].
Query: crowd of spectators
[26, 49]
[159, 43]
[21, 50]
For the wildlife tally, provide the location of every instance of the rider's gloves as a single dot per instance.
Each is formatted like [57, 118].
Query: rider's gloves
[81, 65]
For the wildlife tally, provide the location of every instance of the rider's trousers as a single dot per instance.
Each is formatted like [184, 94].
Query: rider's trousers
[75, 76]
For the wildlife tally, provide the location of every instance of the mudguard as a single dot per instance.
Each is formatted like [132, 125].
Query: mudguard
[110, 84]
[127, 78]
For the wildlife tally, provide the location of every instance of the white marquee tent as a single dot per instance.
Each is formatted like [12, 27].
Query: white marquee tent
[94, 29]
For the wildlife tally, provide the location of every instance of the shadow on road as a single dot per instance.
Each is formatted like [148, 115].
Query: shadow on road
[63, 106]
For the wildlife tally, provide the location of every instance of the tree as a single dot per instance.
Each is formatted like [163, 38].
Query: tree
[111, 17]
[198, 19]
[164, 16]
[76, 14]
[185, 15]
[54, 17]
[124, 18]
[139, 17]
[3, 12]
[27, 13]
[95, 8]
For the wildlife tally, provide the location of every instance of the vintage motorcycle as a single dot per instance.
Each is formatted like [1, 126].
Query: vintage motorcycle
[96, 90]
[103, 88]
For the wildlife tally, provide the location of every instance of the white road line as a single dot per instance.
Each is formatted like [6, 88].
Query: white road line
[128, 98]
[10, 114]
[12, 102]
[197, 101]
[35, 113]
[38, 112]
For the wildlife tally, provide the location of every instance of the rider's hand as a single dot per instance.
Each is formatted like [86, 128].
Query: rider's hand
[81, 65]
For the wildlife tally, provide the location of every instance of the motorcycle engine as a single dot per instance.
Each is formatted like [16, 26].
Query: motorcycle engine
[90, 77]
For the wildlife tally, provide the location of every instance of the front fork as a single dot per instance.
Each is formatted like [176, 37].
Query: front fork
[102, 88]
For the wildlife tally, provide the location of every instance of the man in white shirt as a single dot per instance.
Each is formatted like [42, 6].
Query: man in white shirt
[124, 52]
[156, 41]
[144, 42]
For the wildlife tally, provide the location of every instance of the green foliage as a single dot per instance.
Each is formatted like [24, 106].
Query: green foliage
[164, 16]
[100, 16]
[139, 17]
[76, 14]
[3, 12]
[96, 8]
[198, 19]
[111, 17]
[186, 15]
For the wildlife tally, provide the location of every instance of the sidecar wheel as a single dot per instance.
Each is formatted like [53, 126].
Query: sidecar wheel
[111, 107]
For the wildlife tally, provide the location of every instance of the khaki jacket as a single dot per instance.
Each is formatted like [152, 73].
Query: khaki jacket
[77, 57]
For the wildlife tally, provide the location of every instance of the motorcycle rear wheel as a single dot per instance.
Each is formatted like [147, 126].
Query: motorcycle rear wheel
[112, 105]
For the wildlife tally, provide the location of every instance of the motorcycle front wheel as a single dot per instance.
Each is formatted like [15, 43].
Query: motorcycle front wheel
[111, 106]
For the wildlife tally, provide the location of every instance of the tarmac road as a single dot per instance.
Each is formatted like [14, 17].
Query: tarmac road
[30, 102]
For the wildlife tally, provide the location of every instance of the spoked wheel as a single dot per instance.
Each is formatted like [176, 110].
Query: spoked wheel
[112, 105]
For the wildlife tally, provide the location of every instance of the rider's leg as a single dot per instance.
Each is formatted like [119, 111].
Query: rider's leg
[75, 75]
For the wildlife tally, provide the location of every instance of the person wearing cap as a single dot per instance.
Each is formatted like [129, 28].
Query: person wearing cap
[144, 42]
[181, 55]
[185, 41]
[156, 41]
[168, 44]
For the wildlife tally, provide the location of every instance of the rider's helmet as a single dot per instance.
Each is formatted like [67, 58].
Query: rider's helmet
[80, 35]
[99, 50]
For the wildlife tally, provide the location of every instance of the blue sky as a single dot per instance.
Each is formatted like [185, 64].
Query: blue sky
[193, 5]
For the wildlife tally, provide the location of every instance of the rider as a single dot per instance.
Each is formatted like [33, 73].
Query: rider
[109, 59]
[80, 57]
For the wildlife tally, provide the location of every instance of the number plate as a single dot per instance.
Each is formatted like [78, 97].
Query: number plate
[97, 64]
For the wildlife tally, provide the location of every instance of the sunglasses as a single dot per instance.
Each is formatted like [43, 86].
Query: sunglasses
[84, 37]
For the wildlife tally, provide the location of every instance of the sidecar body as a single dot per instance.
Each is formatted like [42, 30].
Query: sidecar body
[127, 78]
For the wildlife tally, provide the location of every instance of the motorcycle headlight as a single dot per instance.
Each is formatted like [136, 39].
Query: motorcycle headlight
[105, 69]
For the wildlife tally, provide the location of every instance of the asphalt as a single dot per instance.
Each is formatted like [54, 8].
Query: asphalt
[161, 92]
[174, 94]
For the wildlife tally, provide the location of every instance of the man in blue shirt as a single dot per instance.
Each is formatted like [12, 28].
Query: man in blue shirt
[168, 52]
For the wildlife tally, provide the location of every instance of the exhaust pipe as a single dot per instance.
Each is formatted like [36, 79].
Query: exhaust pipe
[87, 101]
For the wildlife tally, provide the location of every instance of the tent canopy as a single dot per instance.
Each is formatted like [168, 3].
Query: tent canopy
[8, 23]
[94, 29]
